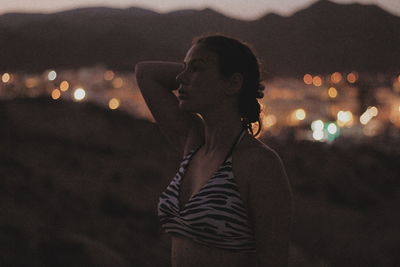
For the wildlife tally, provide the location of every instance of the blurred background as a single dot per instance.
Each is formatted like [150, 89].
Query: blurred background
[82, 162]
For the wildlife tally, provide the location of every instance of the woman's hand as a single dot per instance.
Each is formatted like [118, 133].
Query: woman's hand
[162, 72]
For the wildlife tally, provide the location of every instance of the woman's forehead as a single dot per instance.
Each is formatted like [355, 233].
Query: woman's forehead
[200, 52]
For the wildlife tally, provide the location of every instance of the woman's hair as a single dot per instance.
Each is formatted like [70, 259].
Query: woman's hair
[235, 56]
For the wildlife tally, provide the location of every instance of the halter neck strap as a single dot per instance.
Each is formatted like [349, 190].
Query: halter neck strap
[237, 141]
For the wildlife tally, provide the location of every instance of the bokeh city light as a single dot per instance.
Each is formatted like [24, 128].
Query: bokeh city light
[113, 103]
[79, 94]
[52, 75]
[332, 92]
[55, 94]
[336, 77]
[311, 101]
[5, 78]
[64, 86]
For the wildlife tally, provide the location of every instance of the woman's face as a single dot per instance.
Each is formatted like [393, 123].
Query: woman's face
[201, 84]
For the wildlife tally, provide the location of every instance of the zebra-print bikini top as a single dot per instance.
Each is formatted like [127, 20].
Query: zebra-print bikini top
[215, 216]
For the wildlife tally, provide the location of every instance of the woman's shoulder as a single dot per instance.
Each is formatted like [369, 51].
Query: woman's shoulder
[252, 149]
[255, 160]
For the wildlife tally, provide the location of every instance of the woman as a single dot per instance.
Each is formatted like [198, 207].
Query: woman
[231, 206]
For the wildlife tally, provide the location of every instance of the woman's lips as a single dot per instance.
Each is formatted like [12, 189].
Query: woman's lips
[182, 95]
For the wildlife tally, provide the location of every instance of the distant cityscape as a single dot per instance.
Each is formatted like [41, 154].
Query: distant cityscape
[316, 107]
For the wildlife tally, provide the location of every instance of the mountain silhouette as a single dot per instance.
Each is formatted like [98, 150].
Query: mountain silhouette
[321, 38]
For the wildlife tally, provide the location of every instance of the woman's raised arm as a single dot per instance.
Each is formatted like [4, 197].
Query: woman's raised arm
[157, 80]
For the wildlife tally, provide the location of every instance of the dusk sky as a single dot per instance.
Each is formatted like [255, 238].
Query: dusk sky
[242, 9]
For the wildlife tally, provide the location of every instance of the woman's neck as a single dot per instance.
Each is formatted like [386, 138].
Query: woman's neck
[221, 127]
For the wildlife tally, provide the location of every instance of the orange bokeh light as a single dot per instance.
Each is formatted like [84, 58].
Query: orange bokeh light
[64, 86]
[332, 92]
[56, 94]
[351, 77]
[317, 81]
[109, 75]
[118, 82]
[308, 79]
[113, 103]
[336, 77]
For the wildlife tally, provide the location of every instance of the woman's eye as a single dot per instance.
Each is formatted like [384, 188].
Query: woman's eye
[195, 68]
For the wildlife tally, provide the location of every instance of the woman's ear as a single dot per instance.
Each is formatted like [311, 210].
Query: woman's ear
[235, 84]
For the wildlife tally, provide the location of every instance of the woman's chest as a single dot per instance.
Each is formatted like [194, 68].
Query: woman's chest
[203, 175]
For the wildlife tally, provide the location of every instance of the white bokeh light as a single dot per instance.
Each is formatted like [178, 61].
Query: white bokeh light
[318, 135]
[317, 125]
[52, 75]
[79, 94]
[332, 128]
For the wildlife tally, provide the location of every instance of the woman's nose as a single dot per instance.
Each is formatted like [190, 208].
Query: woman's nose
[181, 77]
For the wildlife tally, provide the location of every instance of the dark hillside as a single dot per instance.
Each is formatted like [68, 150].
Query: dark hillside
[79, 187]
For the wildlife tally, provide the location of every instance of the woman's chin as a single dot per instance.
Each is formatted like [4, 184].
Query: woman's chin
[185, 106]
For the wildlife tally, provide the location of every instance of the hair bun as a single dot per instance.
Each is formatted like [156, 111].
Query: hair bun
[260, 93]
